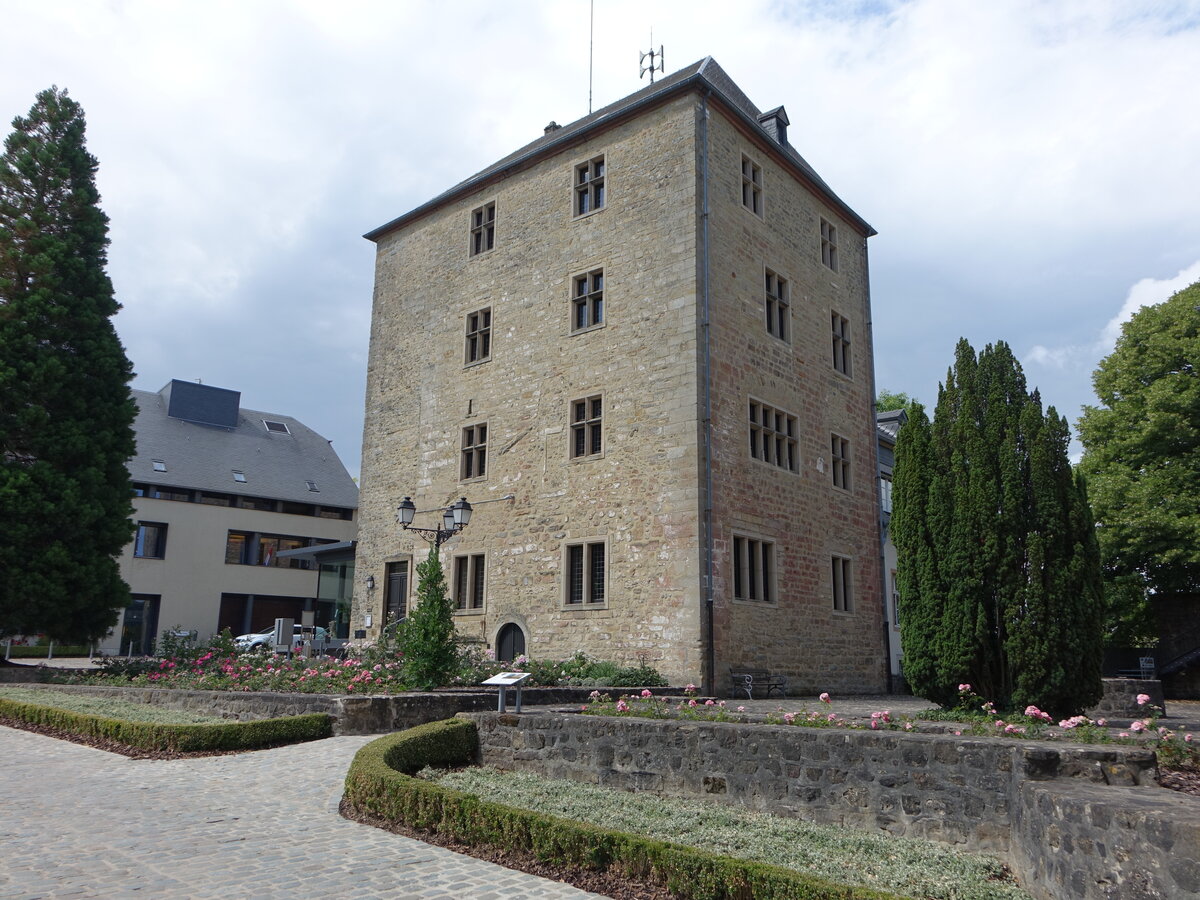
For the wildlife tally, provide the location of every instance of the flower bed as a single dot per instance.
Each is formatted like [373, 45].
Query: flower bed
[377, 670]
[377, 786]
[914, 868]
[973, 717]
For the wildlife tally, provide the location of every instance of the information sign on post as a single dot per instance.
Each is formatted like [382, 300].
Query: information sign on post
[504, 681]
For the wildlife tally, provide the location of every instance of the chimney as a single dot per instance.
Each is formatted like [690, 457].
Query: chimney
[553, 126]
[775, 122]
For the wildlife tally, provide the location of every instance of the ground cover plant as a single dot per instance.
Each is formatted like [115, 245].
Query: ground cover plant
[901, 865]
[107, 707]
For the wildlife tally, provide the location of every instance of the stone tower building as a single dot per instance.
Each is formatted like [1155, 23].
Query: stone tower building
[640, 346]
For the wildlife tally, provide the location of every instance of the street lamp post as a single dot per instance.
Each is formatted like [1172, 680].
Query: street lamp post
[454, 519]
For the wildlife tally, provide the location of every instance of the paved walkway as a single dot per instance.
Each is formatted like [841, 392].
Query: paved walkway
[83, 823]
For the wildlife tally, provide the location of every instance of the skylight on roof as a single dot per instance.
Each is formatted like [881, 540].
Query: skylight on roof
[312, 486]
[159, 465]
[239, 477]
[276, 427]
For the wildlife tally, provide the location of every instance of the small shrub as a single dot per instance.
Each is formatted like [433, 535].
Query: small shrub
[182, 738]
[427, 638]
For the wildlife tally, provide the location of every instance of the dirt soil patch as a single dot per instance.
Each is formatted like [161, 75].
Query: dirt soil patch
[607, 883]
[1186, 780]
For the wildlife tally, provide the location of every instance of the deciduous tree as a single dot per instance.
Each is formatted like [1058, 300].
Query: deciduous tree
[998, 567]
[66, 412]
[889, 400]
[1142, 450]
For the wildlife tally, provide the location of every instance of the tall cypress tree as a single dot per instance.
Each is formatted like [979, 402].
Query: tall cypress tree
[66, 413]
[427, 637]
[998, 561]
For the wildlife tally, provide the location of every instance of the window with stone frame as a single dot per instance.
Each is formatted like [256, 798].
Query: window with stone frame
[753, 569]
[474, 451]
[841, 343]
[843, 584]
[479, 336]
[586, 575]
[752, 186]
[587, 432]
[589, 186]
[469, 581]
[483, 228]
[774, 437]
[587, 300]
[829, 251]
[839, 461]
[777, 306]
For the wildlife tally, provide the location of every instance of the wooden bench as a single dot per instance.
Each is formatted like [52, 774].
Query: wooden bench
[746, 681]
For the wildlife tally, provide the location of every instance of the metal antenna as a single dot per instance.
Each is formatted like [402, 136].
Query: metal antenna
[591, 41]
[650, 68]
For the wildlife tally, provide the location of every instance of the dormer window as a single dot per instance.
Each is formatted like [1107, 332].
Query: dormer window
[159, 465]
[276, 427]
[239, 477]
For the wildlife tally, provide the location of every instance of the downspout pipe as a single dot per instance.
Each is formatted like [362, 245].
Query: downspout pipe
[883, 572]
[710, 662]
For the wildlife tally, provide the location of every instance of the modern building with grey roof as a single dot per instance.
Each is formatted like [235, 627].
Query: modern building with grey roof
[219, 492]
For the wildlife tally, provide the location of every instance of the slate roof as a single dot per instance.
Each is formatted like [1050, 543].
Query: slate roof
[204, 457]
[705, 74]
[888, 423]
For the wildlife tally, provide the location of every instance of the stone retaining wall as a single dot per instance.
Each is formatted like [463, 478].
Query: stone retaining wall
[21, 674]
[1120, 698]
[1073, 820]
[1087, 842]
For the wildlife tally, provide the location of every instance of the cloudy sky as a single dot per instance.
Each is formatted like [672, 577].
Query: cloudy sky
[1033, 168]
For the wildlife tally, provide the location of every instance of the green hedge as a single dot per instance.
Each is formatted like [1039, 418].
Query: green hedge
[41, 651]
[183, 738]
[376, 784]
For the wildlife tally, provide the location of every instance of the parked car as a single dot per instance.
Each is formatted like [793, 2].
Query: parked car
[265, 640]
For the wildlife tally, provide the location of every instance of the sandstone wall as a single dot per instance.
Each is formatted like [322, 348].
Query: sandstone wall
[803, 513]
[640, 495]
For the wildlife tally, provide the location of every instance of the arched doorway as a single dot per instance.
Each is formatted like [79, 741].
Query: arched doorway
[510, 642]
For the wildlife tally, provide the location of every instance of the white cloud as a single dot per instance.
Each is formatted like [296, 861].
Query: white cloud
[1020, 158]
[1146, 292]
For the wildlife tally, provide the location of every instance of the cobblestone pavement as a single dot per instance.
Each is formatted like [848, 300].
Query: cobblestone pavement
[83, 823]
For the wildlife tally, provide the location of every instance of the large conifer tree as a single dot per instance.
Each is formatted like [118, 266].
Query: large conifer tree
[998, 571]
[66, 413]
